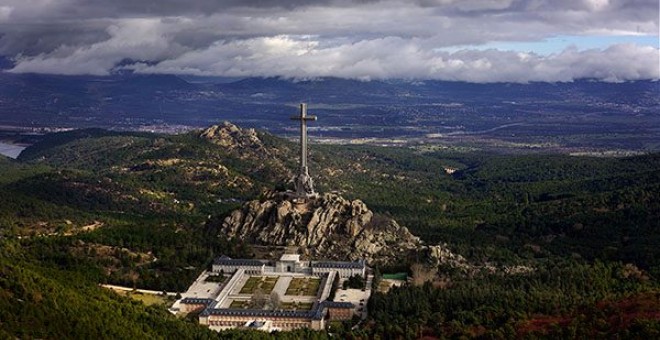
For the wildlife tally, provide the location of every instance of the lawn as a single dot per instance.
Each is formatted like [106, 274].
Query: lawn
[151, 299]
[239, 304]
[308, 286]
[266, 283]
[384, 286]
[312, 287]
[215, 278]
[147, 299]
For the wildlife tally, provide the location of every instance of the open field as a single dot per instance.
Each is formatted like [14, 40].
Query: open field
[146, 298]
[151, 299]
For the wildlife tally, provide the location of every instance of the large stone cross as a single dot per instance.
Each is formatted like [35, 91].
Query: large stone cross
[303, 182]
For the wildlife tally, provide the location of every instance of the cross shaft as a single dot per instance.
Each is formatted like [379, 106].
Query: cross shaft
[303, 118]
[303, 182]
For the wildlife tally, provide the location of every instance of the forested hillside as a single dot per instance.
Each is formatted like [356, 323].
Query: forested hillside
[41, 302]
[92, 206]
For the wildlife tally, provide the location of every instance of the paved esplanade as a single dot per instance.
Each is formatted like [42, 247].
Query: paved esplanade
[303, 182]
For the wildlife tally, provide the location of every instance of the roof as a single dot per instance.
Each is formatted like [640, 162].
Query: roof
[259, 312]
[197, 301]
[290, 257]
[316, 313]
[338, 264]
[337, 304]
[227, 261]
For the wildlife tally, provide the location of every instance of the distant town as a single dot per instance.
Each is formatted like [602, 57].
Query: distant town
[582, 117]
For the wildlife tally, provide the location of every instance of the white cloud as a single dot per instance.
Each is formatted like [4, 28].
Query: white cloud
[343, 38]
[395, 57]
[5, 12]
[139, 39]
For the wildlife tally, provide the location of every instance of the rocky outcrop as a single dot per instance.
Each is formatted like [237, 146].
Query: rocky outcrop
[264, 159]
[329, 227]
[231, 137]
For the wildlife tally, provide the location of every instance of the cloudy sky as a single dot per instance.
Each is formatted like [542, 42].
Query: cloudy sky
[469, 40]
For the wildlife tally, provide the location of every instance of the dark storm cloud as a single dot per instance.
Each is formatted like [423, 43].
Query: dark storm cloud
[94, 9]
[39, 38]
[359, 39]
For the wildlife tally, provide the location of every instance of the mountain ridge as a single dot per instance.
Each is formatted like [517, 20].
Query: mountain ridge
[578, 116]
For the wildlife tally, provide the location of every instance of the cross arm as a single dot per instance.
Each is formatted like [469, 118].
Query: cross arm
[304, 118]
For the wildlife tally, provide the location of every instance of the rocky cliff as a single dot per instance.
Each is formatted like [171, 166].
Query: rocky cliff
[329, 227]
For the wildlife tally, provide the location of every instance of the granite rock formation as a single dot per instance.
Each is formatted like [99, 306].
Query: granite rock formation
[231, 137]
[330, 227]
[248, 145]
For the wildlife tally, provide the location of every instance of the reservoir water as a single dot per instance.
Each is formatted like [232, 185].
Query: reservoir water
[11, 150]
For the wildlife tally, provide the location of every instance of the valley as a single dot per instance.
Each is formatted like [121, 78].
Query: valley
[582, 116]
[317, 170]
[546, 239]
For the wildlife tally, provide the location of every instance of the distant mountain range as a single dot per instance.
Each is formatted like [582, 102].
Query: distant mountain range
[569, 115]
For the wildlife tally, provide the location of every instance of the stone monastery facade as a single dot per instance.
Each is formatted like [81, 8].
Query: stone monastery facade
[289, 263]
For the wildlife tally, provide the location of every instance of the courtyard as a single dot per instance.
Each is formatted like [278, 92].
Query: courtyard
[265, 283]
[303, 286]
